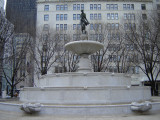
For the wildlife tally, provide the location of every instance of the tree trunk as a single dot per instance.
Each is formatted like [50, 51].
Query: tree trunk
[12, 91]
[153, 89]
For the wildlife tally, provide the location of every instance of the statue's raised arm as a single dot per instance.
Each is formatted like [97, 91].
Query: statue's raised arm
[83, 21]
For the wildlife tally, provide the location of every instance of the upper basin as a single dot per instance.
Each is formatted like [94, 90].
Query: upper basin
[84, 47]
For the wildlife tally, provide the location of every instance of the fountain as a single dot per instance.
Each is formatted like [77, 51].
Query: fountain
[84, 87]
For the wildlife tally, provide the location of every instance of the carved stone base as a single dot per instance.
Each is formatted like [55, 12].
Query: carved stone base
[141, 107]
[31, 108]
[84, 36]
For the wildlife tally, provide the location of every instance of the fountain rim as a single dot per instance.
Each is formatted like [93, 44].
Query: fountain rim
[69, 48]
[83, 41]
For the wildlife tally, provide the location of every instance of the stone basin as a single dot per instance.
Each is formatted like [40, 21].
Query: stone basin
[84, 47]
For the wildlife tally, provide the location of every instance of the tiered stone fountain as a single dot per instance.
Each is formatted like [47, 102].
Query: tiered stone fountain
[84, 86]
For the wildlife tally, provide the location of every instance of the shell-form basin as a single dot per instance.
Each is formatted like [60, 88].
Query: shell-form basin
[84, 47]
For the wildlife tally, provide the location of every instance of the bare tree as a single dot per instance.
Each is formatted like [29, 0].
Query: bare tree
[15, 72]
[46, 51]
[72, 61]
[6, 31]
[146, 39]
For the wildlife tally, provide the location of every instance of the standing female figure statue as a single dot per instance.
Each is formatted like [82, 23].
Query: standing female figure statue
[83, 21]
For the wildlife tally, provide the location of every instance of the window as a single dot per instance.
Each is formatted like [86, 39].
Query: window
[129, 26]
[61, 26]
[91, 16]
[82, 6]
[96, 37]
[95, 26]
[132, 7]
[136, 70]
[91, 26]
[95, 16]
[65, 26]
[133, 16]
[46, 8]
[78, 16]
[95, 6]
[112, 26]
[65, 16]
[112, 16]
[62, 7]
[61, 16]
[46, 27]
[125, 16]
[74, 6]
[116, 26]
[99, 16]
[115, 7]
[74, 16]
[144, 16]
[99, 6]
[76, 37]
[110, 58]
[74, 26]
[78, 6]
[57, 27]
[128, 6]
[108, 16]
[78, 26]
[158, 6]
[108, 6]
[116, 16]
[111, 6]
[65, 7]
[143, 6]
[57, 17]
[129, 16]
[57, 7]
[46, 17]
[91, 6]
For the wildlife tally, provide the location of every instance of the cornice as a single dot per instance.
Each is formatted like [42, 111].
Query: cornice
[52, 1]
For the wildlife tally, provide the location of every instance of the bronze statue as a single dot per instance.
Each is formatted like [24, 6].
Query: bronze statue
[83, 21]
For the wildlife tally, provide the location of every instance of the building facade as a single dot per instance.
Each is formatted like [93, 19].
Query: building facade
[22, 13]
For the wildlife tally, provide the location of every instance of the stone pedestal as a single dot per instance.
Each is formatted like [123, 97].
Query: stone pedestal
[84, 64]
[84, 36]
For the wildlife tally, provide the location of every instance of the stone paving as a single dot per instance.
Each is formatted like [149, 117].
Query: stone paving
[17, 116]
[22, 116]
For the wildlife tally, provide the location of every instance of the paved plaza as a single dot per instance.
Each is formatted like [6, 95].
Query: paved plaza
[18, 116]
[22, 116]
